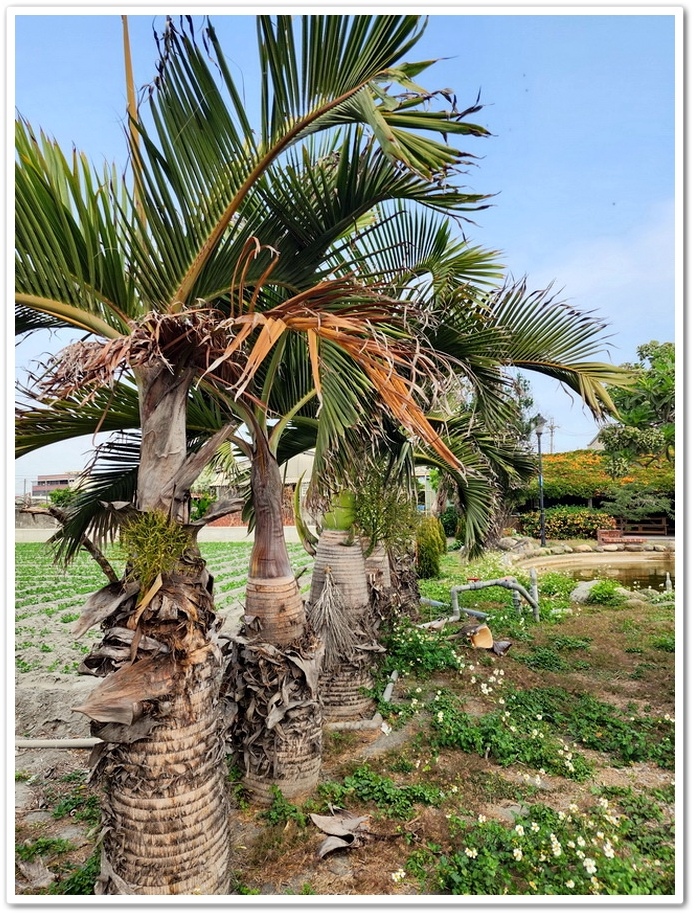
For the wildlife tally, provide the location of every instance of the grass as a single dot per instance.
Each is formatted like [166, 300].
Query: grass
[548, 771]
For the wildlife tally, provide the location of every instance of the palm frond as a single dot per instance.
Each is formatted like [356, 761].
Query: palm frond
[69, 261]
[111, 410]
[551, 337]
[112, 477]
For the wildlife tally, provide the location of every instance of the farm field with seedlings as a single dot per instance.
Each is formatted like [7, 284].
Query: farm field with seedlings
[48, 599]
[546, 770]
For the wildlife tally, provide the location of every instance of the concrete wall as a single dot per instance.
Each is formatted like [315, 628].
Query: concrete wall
[34, 521]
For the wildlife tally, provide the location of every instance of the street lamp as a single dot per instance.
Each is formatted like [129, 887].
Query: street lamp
[539, 424]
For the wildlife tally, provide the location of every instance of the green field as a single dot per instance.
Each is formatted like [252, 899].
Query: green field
[48, 598]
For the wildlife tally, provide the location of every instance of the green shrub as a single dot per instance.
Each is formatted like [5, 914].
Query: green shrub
[394, 800]
[606, 592]
[567, 522]
[556, 585]
[449, 519]
[431, 543]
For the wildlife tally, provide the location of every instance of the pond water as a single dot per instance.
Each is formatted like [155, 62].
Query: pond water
[642, 574]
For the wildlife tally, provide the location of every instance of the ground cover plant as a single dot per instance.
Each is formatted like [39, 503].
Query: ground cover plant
[546, 771]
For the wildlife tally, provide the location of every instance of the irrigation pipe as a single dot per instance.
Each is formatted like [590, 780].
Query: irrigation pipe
[57, 742]
[508, 582]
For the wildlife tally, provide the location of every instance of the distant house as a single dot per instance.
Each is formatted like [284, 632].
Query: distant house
[595, 443]
[47, 483]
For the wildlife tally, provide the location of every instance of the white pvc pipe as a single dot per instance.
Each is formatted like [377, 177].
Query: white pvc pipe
[374, 722]
[57, 742]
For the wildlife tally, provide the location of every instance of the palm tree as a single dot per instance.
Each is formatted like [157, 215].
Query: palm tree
[197, 275]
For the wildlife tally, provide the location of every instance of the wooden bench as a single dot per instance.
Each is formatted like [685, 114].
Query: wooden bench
[614, 536]
[653, 526]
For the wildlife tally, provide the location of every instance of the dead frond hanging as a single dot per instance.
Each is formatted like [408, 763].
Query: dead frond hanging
[333, 622]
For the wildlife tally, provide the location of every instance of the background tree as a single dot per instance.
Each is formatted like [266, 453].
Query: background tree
[646, 426]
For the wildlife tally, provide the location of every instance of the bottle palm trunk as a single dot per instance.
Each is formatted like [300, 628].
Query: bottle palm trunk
[339, 607]
[162, 766]
[277, 728]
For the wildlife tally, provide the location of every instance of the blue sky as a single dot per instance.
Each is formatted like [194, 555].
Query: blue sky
[581, 107]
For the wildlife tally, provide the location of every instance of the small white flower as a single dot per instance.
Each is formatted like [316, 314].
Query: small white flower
[398, 875]
[570, 883]
[519, 830]
[608, 850]
[517, 853]
[471, 853]
[482, 818]
[589, 865]
[534, 827]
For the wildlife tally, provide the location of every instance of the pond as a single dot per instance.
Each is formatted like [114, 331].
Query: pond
[643, 574]
[646, 570]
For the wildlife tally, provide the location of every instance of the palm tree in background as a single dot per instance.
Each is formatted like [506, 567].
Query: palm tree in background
[193, 285]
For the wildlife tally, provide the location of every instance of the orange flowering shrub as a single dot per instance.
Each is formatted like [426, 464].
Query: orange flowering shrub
[582, 474]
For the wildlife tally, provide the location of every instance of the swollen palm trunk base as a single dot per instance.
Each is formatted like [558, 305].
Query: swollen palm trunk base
[167, 831]
[296, 761]
[347, 565]
[342, 692]
[278, 607]
[377, 568]
[277, 726]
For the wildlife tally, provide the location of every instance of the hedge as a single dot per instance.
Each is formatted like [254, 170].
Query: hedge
[566, 522]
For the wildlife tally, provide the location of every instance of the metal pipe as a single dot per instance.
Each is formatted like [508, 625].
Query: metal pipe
[509, 582]
[534, 584]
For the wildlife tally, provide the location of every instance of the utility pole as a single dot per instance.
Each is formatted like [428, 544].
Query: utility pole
[552, 425]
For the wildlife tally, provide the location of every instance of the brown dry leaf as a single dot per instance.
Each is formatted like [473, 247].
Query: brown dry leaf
[36, 873]
[501, 646]
[103, 604]
[120, 696]
[343, 832]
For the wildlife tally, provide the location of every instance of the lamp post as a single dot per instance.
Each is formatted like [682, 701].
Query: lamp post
[539, 424]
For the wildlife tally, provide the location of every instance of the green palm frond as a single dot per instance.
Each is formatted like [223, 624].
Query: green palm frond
[65, 419]
[111, 477]
[551, 337]
[200, 163]
[69, 263]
